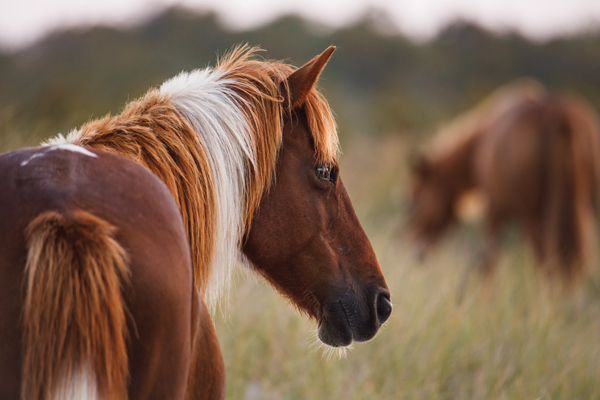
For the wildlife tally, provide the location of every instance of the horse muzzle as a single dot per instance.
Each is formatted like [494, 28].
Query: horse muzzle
[353, 317]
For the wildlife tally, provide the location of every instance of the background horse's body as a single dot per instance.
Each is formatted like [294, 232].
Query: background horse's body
[216, 139]
[535, 158]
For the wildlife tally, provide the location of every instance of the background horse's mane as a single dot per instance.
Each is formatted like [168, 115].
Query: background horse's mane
[473, 122]
[213, 136]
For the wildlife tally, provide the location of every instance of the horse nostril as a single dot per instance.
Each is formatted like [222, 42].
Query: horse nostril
[384, 307]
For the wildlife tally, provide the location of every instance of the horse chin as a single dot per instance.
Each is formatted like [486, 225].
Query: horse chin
[335, 334]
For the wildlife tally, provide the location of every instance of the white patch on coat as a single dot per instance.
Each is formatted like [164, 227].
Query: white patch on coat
[74, 148]
[65, 146]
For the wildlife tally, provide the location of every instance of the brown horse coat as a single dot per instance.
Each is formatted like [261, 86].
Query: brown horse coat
[101, 213]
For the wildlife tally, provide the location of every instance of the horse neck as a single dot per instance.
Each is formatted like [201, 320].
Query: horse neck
[197, 141]
[455, 167]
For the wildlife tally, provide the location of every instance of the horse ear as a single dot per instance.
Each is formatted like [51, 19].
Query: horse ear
[301, 81]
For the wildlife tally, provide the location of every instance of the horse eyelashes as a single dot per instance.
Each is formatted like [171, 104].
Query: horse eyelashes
[326, 173]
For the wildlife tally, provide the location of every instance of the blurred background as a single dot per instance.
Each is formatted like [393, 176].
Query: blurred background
[401, 70]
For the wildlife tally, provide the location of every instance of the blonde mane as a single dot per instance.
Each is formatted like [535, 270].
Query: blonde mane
[258, 83]
[213, 137]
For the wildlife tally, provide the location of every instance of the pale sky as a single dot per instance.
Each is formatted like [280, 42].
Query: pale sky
[24, 21]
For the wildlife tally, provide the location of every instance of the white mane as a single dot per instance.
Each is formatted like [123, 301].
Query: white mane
[212, 110]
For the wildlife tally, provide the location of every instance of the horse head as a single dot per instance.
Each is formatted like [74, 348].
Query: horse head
[305, 237]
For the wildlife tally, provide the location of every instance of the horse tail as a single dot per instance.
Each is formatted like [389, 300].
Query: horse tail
[74, 323]
[571, 187]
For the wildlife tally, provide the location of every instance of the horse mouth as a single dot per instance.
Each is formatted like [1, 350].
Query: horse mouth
[345, 321]
[336, 330]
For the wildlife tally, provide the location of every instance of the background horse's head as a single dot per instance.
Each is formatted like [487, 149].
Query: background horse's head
[305, 237]
[431, 203]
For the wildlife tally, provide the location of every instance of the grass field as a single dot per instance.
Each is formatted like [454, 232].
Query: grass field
[515, 338]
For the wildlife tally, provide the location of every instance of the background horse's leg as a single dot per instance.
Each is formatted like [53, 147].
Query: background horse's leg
[486, 261]
[207, 373]
[489, 257]
[535, 235]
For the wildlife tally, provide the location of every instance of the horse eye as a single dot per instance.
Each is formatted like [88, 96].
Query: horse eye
[325, 173]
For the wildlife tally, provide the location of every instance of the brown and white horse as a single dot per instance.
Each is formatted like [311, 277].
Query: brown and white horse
[534, 158]
[111, 305]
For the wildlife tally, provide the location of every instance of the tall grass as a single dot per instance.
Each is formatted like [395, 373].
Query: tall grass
[516, 337]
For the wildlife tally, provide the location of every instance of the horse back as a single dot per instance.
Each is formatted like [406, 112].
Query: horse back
[508, 163]
[148, 226]
[518, 148]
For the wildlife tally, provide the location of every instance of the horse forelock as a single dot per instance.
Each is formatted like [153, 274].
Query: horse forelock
[260, 86]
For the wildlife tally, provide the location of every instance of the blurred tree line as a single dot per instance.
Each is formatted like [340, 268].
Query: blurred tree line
[379, 82]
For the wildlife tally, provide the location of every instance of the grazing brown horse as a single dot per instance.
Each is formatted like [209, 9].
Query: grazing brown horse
[112, 306]
[535, 159]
